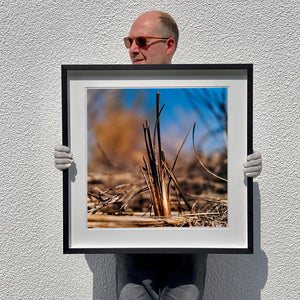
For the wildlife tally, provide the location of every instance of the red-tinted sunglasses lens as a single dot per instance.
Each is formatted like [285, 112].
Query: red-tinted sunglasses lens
[140, 41]
[128, 42]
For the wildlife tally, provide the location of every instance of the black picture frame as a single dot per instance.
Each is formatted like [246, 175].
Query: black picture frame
[238, 78]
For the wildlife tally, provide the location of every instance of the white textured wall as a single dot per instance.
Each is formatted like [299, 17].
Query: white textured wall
[36, 37]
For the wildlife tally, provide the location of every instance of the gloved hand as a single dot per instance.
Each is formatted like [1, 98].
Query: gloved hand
[62, 157]
[253, 166]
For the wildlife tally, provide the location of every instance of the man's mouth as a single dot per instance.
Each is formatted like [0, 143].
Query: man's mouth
[138, 61]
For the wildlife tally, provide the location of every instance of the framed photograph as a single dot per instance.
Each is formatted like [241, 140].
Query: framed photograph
[158, 153]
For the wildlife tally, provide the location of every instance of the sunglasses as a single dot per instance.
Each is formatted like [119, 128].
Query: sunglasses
[141, 41]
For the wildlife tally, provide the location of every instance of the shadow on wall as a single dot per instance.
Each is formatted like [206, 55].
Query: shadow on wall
[228, 276]
[240, 276]
[104, 279]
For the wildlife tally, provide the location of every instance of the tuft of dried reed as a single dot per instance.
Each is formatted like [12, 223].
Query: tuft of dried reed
[157, 174]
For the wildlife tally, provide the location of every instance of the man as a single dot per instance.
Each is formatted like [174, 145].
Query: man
[153, 39]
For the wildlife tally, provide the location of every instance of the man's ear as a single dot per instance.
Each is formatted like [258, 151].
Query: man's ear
[170, 46]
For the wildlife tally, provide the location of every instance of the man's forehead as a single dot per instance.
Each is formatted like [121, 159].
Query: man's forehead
[145, 25]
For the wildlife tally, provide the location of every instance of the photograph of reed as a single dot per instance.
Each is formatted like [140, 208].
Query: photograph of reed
[157, 157]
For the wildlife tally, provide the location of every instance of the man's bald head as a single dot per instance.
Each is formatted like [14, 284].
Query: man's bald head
[157, 51]
[166, 24]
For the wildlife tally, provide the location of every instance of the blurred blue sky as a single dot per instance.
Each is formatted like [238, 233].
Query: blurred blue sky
[183, 106]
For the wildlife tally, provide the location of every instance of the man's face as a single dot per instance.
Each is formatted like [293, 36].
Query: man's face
[157, 52]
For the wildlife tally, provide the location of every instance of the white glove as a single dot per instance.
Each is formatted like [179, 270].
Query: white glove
[253, 166]
[63, 157]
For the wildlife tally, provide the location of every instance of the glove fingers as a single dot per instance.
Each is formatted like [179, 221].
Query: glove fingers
[256, 162]
[253, 169]
[254, 156]
[62, 167]
[252, 174]
[62, 148]
[63, 155]
[61, 161]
